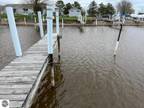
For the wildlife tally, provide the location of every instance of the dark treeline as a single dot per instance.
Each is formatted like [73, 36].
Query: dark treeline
[124, 8]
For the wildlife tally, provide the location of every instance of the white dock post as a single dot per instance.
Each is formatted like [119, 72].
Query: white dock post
[62, 23]
[96, 21]
[123, 19]
[50, 40]
[50, 29]
[85, 18]
[25, 21]
[13, 30]
[40, 24]
[35, 20]
[57, 21]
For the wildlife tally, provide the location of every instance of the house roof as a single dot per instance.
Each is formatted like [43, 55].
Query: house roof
[18, 5]
[21, 5]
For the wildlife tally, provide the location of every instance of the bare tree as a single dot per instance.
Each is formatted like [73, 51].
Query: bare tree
[125, 7]
[37, 5]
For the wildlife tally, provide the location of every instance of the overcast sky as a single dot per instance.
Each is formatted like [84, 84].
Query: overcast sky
[138, 4]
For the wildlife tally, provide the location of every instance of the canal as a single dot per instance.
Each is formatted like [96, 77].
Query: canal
[28, 36]
[90, 77]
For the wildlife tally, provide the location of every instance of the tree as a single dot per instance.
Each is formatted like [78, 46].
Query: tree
[106, 9]
[37, 5]
[60, 4]
[77, 5]
[93, 9]
[125, 7]
[102, 10]
[67, 7]
[110, 9]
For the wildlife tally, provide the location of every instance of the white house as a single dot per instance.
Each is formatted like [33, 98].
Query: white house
[24, 9]
[139, 17]
[75, 12]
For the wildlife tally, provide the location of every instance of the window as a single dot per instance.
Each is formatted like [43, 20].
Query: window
[25, 9]
[14, 10]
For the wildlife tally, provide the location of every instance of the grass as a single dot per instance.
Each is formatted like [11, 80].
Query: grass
[67, 19]
[19, 17]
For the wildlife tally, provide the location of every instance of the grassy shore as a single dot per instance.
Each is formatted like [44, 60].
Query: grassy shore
[68, 21]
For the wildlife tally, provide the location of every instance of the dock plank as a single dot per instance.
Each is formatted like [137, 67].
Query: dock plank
[16, 104]
[13, 91]
[19, 97]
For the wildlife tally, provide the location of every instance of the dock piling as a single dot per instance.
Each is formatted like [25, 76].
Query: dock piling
[50, 40]
[117, 44]
[58, 32]
[57, 21]
[96, 21]
[25, 21]
[62, 23]
[13, 30]
[40, 24]
[59, 48]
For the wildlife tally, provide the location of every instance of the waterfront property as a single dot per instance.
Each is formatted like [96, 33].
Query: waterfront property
[74, 12]
[24, 9]
[87, 71]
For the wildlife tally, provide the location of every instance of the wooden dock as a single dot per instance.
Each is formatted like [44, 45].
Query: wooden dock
[20, 78]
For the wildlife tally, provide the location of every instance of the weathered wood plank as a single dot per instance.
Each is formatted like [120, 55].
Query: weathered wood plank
[22, 68]
[19, 97]
[17, 80]
[13, 91]
[18, 73]
[25, 64]
[27, 86]
[16, 104]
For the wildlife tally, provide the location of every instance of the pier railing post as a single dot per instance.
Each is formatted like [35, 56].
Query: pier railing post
[85, 18]
[57, 21]
[25, 21]
[62, 23]
[58, 32]
[50, 40]
[13, 30]
[40, 24]
[50, 29]
[96, 21]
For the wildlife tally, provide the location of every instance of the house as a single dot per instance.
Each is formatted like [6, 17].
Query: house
[74, 12]
[24, 9]
[139, 17]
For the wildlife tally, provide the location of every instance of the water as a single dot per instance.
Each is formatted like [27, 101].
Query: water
[90, 77]
[28, 36]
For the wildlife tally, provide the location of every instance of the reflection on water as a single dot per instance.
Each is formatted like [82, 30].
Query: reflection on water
[28, 36]
[90, 76]
[47, 95]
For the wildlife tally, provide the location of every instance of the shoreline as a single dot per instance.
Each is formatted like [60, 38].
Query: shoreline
[100, 23]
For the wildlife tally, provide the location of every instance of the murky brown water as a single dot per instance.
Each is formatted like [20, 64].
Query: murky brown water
[28, 36]
[90, 77]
